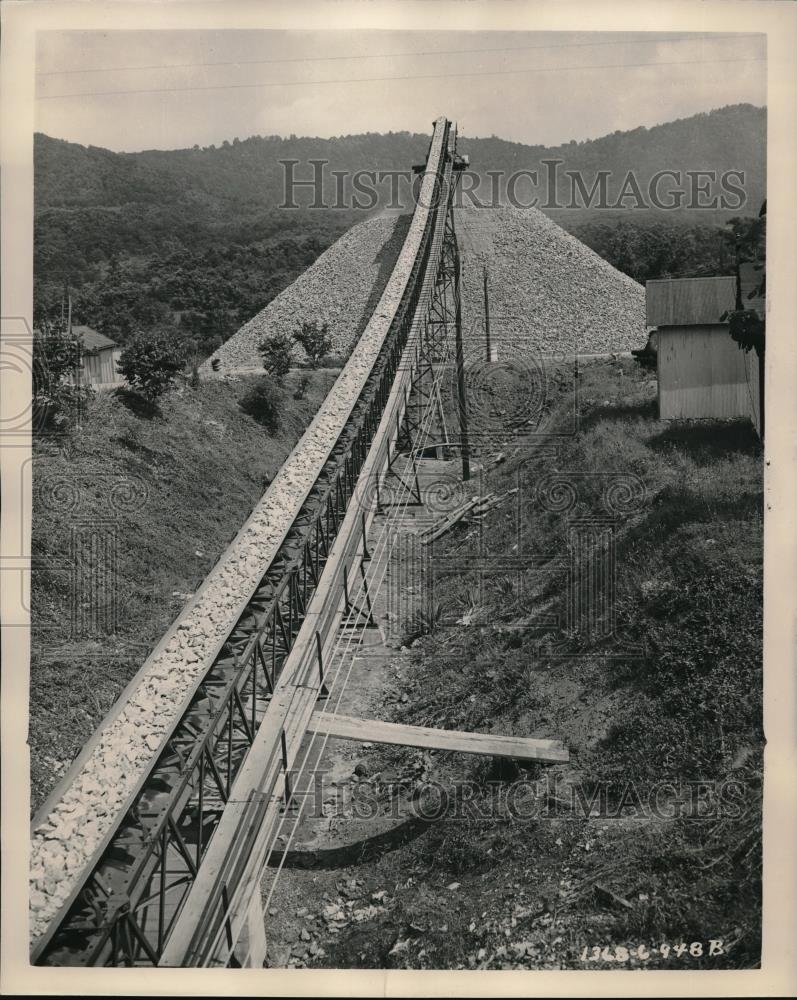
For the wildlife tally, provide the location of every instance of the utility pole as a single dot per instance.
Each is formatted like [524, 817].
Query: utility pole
[487, 319]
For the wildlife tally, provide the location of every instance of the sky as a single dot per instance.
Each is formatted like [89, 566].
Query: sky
[133, 90]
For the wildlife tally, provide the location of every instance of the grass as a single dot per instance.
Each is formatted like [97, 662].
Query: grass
[172, 487]
[662, 716]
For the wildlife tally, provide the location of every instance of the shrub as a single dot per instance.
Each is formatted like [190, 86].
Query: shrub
[151, 365]
[314, 338]
[301, 388]
[263, 402]
[277, 354]
[57, 399]
[747, 329]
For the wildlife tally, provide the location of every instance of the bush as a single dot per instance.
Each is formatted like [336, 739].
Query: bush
[314, 338]
[58, 401]
[301, 388]
[151, 365]
[277, 354]
[263, 402]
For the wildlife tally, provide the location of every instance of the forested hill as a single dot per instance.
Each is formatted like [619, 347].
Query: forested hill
[194, 239]
[730, 138]
[247, 174]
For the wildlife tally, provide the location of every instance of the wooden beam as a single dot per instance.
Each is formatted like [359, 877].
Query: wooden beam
[373, 731]
[442, 526]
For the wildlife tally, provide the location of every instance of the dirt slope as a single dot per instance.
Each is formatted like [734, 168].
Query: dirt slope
[644, 850]
[158, 497]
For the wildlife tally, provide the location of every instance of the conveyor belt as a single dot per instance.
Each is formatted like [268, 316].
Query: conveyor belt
[123, 838]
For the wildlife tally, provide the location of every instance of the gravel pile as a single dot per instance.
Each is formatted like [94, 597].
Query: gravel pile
[126, 744]
[548, 293]
[341, 287]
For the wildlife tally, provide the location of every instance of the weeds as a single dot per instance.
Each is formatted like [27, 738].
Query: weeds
[687, 595]
[423, 623]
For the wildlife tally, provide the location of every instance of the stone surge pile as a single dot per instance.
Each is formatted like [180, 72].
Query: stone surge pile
[341, 287]
[548, 293]
[70, 832]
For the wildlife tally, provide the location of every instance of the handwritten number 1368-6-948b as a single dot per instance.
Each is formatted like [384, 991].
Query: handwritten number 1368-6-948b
[619, 953]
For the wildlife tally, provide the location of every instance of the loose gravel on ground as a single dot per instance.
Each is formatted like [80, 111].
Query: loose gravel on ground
[548, 293]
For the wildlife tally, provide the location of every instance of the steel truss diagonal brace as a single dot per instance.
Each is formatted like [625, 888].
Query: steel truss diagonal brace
[441, 332]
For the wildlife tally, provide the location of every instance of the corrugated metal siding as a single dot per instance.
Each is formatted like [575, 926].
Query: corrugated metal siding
[100, 367]
[689, 301]
[703, 373]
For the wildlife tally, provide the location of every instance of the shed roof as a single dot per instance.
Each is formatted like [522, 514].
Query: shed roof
[702, 301]
[689, 301]
[92, 340]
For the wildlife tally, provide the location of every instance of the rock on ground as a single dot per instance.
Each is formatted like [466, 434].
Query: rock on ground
[549, 294]
[341, 287]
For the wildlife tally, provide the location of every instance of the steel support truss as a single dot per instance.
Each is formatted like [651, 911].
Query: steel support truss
[442, 330]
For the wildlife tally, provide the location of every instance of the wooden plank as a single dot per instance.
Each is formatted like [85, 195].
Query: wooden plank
[448, 522]
[374, 731]
[497, 501]
[251, 947]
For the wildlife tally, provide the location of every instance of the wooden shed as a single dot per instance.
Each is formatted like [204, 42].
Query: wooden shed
[99, 357]
[702, 373]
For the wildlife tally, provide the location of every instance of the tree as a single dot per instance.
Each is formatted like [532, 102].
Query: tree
[151, 364]
[748, 236]
[314, 338]
[748, 330]
[277, 354]
[746, 327]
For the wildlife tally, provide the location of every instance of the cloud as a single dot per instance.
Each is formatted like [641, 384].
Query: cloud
[550, 89]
